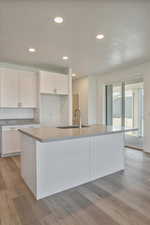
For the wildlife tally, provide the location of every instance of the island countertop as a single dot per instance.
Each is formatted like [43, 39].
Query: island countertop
[47, 134]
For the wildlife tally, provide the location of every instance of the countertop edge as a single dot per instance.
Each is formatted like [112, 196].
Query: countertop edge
[74, 137]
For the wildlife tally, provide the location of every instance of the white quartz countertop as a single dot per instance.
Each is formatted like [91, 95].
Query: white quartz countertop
[47, 134]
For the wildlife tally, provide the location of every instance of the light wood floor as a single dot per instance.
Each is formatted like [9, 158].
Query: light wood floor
[122, 198]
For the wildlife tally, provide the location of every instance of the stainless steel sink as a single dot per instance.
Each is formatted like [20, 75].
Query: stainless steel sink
[73, 126]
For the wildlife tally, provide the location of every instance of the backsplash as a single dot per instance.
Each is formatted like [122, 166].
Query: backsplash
[54, 110]
[18, 113]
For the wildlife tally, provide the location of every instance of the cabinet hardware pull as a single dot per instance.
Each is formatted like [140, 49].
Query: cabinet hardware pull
[19, 104]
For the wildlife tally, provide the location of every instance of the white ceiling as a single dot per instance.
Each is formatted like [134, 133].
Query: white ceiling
[29, 23]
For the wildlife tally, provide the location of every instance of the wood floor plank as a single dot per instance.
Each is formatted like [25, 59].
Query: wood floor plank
[119, 199]
[17, 161]
[39, 208]
[118, 210]
[13, 181]
[60, 212]
[25, 211]
[12, 165]
[95, 213]
[50, 220]
[130, 195]
[2, 183]
[8, 213]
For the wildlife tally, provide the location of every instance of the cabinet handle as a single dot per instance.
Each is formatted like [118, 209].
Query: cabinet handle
[55, 90]
[19, 104]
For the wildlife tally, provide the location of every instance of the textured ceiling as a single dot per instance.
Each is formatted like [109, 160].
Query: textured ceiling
[125, 24]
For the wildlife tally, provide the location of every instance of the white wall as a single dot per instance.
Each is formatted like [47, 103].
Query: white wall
[92, 100]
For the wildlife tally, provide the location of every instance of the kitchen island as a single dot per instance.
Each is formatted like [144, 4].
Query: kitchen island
[55, 159]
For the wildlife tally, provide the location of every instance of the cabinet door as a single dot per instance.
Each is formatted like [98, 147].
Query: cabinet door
[9, 88]
[61, 83]
[47, 83]
[107, 154]
[53, 83]
[10, 141]
[67, 163]
[27, 89]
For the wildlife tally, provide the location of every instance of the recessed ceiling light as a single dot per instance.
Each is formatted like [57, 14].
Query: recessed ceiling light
[58, 20]
[100, 36]
[32, 50]
[73, 75]
[65, 57]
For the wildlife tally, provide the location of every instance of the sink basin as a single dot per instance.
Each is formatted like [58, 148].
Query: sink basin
[73, 126]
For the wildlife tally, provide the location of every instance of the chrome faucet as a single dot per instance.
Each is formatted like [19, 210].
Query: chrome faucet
[80, 121]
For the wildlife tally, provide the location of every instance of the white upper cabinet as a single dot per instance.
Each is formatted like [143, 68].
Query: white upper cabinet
[47, 83]
[61, 84]
[8, 88]
[53, 83]
[27, 89]
[18, 88]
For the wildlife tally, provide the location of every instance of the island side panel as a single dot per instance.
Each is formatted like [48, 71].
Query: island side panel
[28, 162]
[62, 165]
[107, 156]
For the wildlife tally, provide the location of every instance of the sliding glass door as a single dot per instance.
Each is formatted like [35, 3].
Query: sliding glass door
[114, 106]
[134, 107]
[124, 107]
[117, 105]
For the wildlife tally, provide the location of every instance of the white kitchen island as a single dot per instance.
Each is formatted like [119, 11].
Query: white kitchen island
[54, 160]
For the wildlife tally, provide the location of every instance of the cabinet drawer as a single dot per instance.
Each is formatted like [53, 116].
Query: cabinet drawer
[10, 141]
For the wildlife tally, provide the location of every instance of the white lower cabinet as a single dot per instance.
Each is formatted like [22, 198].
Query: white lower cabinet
[10, 139]
[106, 154]
[67, 164]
